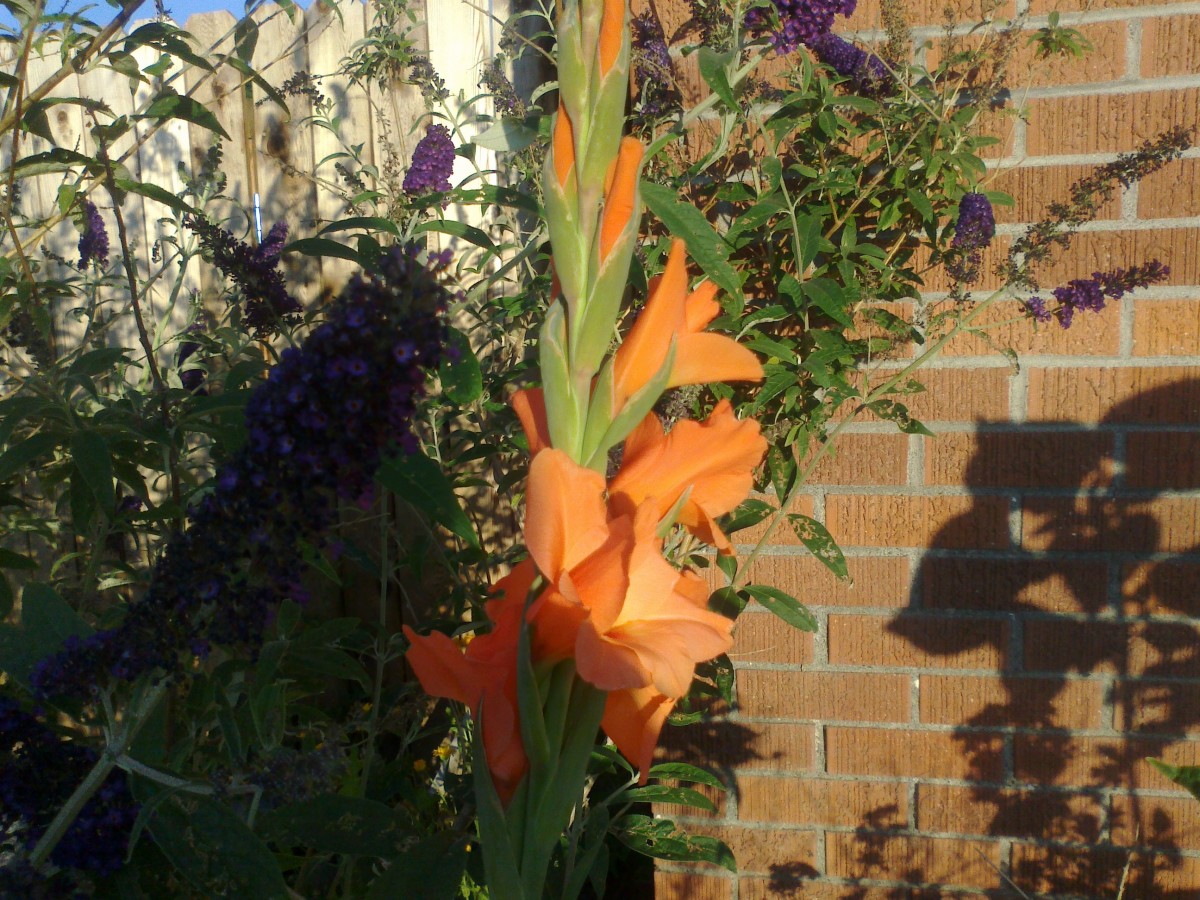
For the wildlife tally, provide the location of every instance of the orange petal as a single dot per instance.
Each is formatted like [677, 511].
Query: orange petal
[645, 348]
[564, 145]
[565, 515]
[618, 201]
[701, 358]
[609, 665]
[634, 720]
[555, 619]
[702, 307]
[530, 406]
[442, 669]
[612, 30]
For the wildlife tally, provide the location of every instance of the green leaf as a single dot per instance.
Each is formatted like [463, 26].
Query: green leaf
[783, 605]
[898, 413]
[177, 106]
[21, 457]
[47, 620]
[10, 560]
[663, 839]
[468, 233]
[820, 543]
[686, 772]
[1187, 777]
[369, 223]
[154, 192]
[749, 514]
[96, 361]
[664, 793]
[325, 662]
[56, 160]
[90, 455]
[323, 247]
[431, 869]
[211, 847]
[333, 823]
[713, 68]
[704, 245]
[808, 238]
[506, 135]
[462, 378]
[419, 480]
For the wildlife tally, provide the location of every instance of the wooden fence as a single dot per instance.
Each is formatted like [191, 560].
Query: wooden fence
[295, 160]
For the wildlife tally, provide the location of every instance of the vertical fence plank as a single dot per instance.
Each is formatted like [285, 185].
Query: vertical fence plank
[284, 150]
[221, 93]
[329, 42]
[397, 108]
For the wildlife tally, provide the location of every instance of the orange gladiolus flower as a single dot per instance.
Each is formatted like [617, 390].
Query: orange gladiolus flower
[714, 461]
[530, 406]
[618, 201]
[629, 619]
[673, 313]
[563, 145]
[486, 673]
[612, 30]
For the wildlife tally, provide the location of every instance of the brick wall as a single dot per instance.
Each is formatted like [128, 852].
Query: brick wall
[1022, 630]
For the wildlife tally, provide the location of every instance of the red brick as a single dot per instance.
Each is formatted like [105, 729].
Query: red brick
[867, 15]
[1121, 648]
[815, 801]
[782, 535]
[1156, 821]
[916, 641]
[1015, 458]
[695, 754]
[935, 278]
[686, 886]
[863, 459]
[1155, 395]
[764, 849]
[1043, 7]
[848, 696]
[875, 581]
[1172, 192]
[922, 859]
[784, 886]
[1097, 524]
[1106, 123]
[762, 637]
[1034, 187]
[1157, 588]
[898, 520]
[1093, 251]
[1160, 707]
[1170, 46]
[1163, 460]
[1030, 702]
[1098, 872]
[912, 754]
[1009, 328]
[1005, 585]
[953, 395]
[990, 811]
[741, 745]
[1047, 759]
[1166, 327]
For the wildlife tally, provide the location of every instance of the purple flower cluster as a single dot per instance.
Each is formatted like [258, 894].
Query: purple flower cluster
[973, 233]
[504, 95]
[1090, 294]
[266, 303]
[652, 68]
[40, 771]
[800, 21]
[432, 163]
[192, 379]
[315, 433]
[93, 239]
[866, 70]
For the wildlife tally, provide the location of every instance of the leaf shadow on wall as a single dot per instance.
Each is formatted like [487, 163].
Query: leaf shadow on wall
[1092, 612]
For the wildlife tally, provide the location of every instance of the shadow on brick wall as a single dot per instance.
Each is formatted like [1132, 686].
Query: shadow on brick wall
[1094, 607]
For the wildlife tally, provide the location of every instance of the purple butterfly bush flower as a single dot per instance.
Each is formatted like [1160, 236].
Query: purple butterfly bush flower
[866, 70]
[1090, 294]
[432, 163]
[93, 239]
[266, 303]
[316, 432]
[39, 773]
[652, 67]
[973, 233]
[800, 21]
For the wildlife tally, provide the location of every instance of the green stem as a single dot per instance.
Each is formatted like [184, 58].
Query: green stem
[95, 778]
